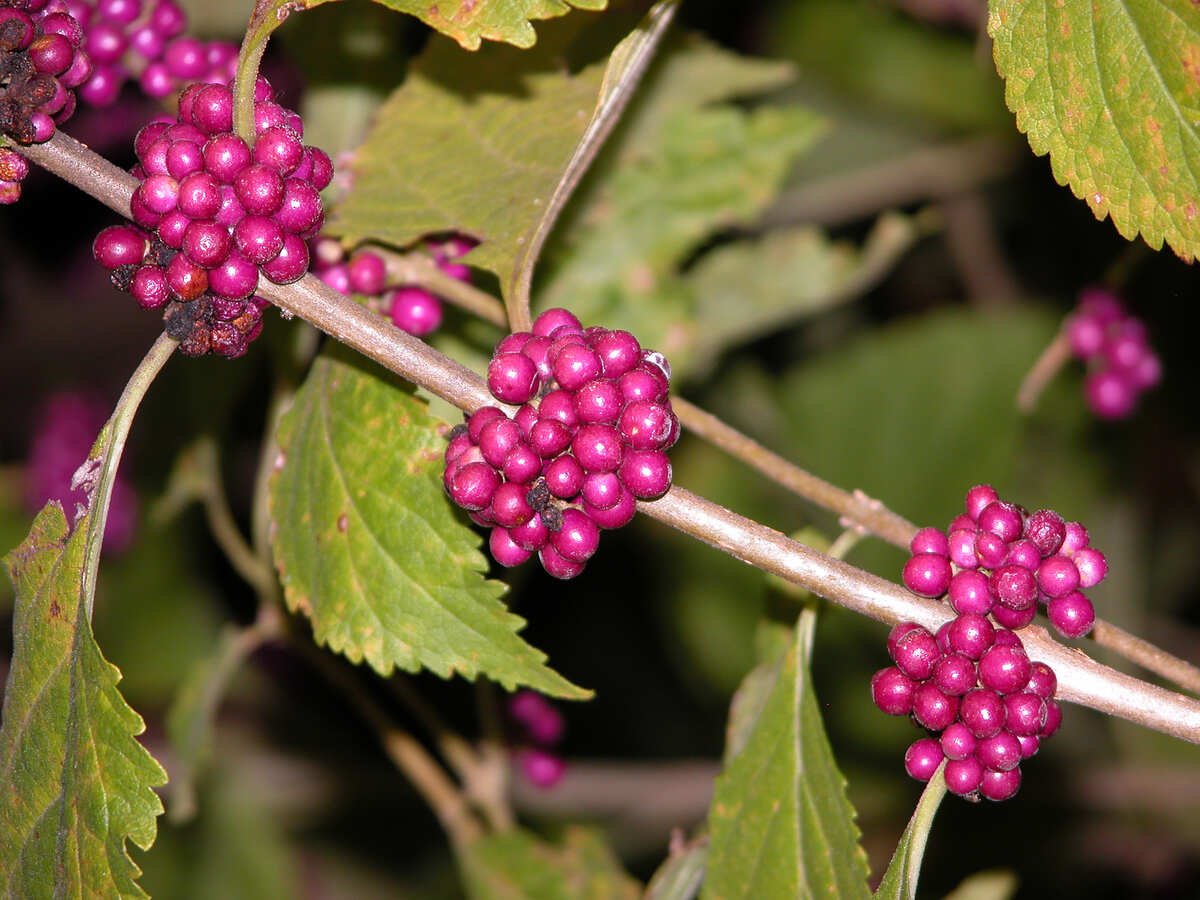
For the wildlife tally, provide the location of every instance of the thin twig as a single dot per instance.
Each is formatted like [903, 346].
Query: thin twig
[254, 570]
[1081, 679]
[1056, 355]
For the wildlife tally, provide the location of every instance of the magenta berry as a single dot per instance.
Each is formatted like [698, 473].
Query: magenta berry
[1071, 615]
[932, 708]
[505, 550]
[954, 674]
[1002, 751]
[1026, 713]
[1091, 566]
[963, 776]
[927, 574]
[978, 498]
[897, 632]
[892, 691]
[645, 473]
[1042, 681]
[983, 712]
[969, 593]
[957, 742]
[922, 758]
[916, 653]
[1057, 576]
[930, 540]
[1004, 669]
[1000, 785]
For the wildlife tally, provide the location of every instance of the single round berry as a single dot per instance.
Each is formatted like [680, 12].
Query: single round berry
[961, 542]
[619, 352]
[186, 279]
[932, 708]
[618, 515]
[1030, 744]
[512, 378]
[1004, 669]
[509, 506]
[1072, 615]
[1014, 587]
[531, 535]
[639, 384]
[473, 485]
[149, 287]
[225, 156]
[646, 473]
[578, 538]
[1002, 519]
[548, 438]
[259, 189]
[1026, 714]
[957, 741]
[927, 574]
[990, 550]
[522, 465]
[368, 272]
[555, 565]
[560, 406]
[954, 674]
[299, 210]
[1076, 539]
[1110, 394]
[497, 439]
[1053, 719]
[1085, 334]
[505, 550]
[930, 540]
[916, 654]
[983, 712]
[1047, 530]
[1023, 553]
[574, 366]
[892, 691]
[414, 310]
[1057, 576]
[1001, 751]
[552, 319]
[962, 522]
[119, 245]
[963, 776]
[898, 631]
[258, 238]
[280, 148]
[538, 350]
[1042, 681]
[212, 109]
[645, 425]
[1013, 618]
[922, 758]
[598, 448]
[206, 243]
[997, 785]
[969, 593]
[1005, 637]
[978, 498]
[1091, 566]
[199, 195]
[291, 263]
[564, 477]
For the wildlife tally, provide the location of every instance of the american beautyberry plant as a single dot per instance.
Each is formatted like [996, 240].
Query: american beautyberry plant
[457, 286]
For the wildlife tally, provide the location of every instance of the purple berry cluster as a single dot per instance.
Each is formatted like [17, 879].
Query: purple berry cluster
[42, 61]
[130, 38]
[1113, 344]
[975, 688]
[589, 440]
[211, 213]
[64, 429]
[412, 309]
[998, 559]
[539, 726]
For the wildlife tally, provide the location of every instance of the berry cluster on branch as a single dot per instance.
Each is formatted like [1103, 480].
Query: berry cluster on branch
[998, 559]
[211, 212]
[973, 686]
[1113, 345]
[589, 441]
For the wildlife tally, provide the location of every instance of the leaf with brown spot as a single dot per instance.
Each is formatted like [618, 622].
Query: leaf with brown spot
[1132, 153]
[404, 584]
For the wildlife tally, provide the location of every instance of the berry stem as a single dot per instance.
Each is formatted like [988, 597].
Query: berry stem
[265, 18]
[1056, 355]
[1083, 680]
[116, 432]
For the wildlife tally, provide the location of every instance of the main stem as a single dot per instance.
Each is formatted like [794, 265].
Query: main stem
[1081, 679]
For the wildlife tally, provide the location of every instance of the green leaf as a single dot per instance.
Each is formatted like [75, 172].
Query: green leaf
[367, 545]
[470, 21]
[1111, 90]
[471, 143]
[77, 783]
[780, 823]
[517, 865]
[749, 701]
[900, 880]
[684, 166]
[749, 288]
[681, 874]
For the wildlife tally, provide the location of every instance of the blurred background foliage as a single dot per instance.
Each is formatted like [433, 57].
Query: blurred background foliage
[900, 383]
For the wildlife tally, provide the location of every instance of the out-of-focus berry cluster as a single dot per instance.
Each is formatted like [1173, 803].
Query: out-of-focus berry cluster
[212, 212]
[539, 728]
[974, 687]
[589, 440]
[1113, 345]
[63, 433]
[998, 559]
[410, 308]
